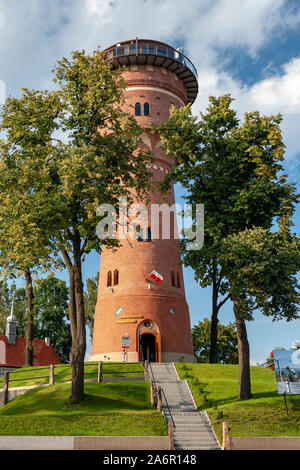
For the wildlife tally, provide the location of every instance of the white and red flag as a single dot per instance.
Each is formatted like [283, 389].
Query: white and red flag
[155, 276]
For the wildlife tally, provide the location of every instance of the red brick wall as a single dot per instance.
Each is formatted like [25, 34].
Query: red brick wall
[42, 355]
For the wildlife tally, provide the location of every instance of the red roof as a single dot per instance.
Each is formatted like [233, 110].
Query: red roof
[13, 355]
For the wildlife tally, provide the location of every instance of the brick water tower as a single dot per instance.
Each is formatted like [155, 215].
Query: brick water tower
[133, 309]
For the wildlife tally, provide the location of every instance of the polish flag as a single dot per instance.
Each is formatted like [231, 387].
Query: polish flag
[155, 276]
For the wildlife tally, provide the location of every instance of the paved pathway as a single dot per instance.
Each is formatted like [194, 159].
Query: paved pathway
[192, 430]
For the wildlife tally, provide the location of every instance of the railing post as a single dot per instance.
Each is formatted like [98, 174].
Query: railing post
[146, 371]
[153, 395]
[171, 435]
[5, 387]
[100, 372]
[159, 399]
[51, 375]
[226, 438]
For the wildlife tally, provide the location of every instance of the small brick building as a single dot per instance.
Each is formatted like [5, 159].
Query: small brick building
[12, 349]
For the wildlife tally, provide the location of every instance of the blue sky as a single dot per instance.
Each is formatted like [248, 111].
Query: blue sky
[249, 48]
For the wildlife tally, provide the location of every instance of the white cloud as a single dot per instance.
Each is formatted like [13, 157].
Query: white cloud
[280, 92]
[34, 34]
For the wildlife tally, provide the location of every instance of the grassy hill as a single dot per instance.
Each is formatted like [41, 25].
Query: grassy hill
[109, 409]
[215, 389]
[123, 408]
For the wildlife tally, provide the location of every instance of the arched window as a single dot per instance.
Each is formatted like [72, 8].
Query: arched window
[146, 109]
[173, 279]
[178, 280]
[116, 277]
[137, 109]
[149, 234]
[109, 279]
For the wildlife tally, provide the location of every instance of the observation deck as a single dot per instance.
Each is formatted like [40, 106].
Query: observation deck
[157, 54]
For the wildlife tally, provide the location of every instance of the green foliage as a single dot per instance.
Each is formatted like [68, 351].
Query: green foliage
[65, 153]
[227, 342]
[90, 300]
[27, 124]
[261, 267]
[234, 169]
[51, 315]
[5, 304]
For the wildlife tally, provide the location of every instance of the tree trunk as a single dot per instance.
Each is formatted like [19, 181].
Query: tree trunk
[244, 354]
[72, 304]
[213, 351]
[79, 345]
[30, 314]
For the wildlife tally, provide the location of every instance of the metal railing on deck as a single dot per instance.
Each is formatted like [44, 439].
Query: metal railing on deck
[144, 48]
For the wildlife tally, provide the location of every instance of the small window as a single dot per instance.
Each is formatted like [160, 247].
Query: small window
[173, 279]
[138, 110]
[109, 279]
[178, 280]
[146, 109]
[149, 234]
[116, 277]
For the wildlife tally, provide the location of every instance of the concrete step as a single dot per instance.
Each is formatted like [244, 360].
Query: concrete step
[192, 429]
[198, 447]
[194, 438]
[206, 442]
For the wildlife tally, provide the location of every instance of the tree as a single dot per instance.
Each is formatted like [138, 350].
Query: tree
[90, 300]
[100, 162]
[233, 169]
[51, 315]
[261, 268]
[227, 342]
[97, 161]
[25, 245]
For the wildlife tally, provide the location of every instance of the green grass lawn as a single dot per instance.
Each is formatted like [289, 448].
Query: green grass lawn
[215, 389]
[109, 409]
[39, 376]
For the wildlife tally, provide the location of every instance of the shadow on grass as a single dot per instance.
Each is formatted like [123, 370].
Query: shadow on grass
[99, 398]
[205, 397]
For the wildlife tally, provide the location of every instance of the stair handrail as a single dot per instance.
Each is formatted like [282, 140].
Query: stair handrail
[152, 375]
[153, 381]
[168, 407]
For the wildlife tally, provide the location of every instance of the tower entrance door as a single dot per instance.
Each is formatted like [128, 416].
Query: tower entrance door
[147, 347]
